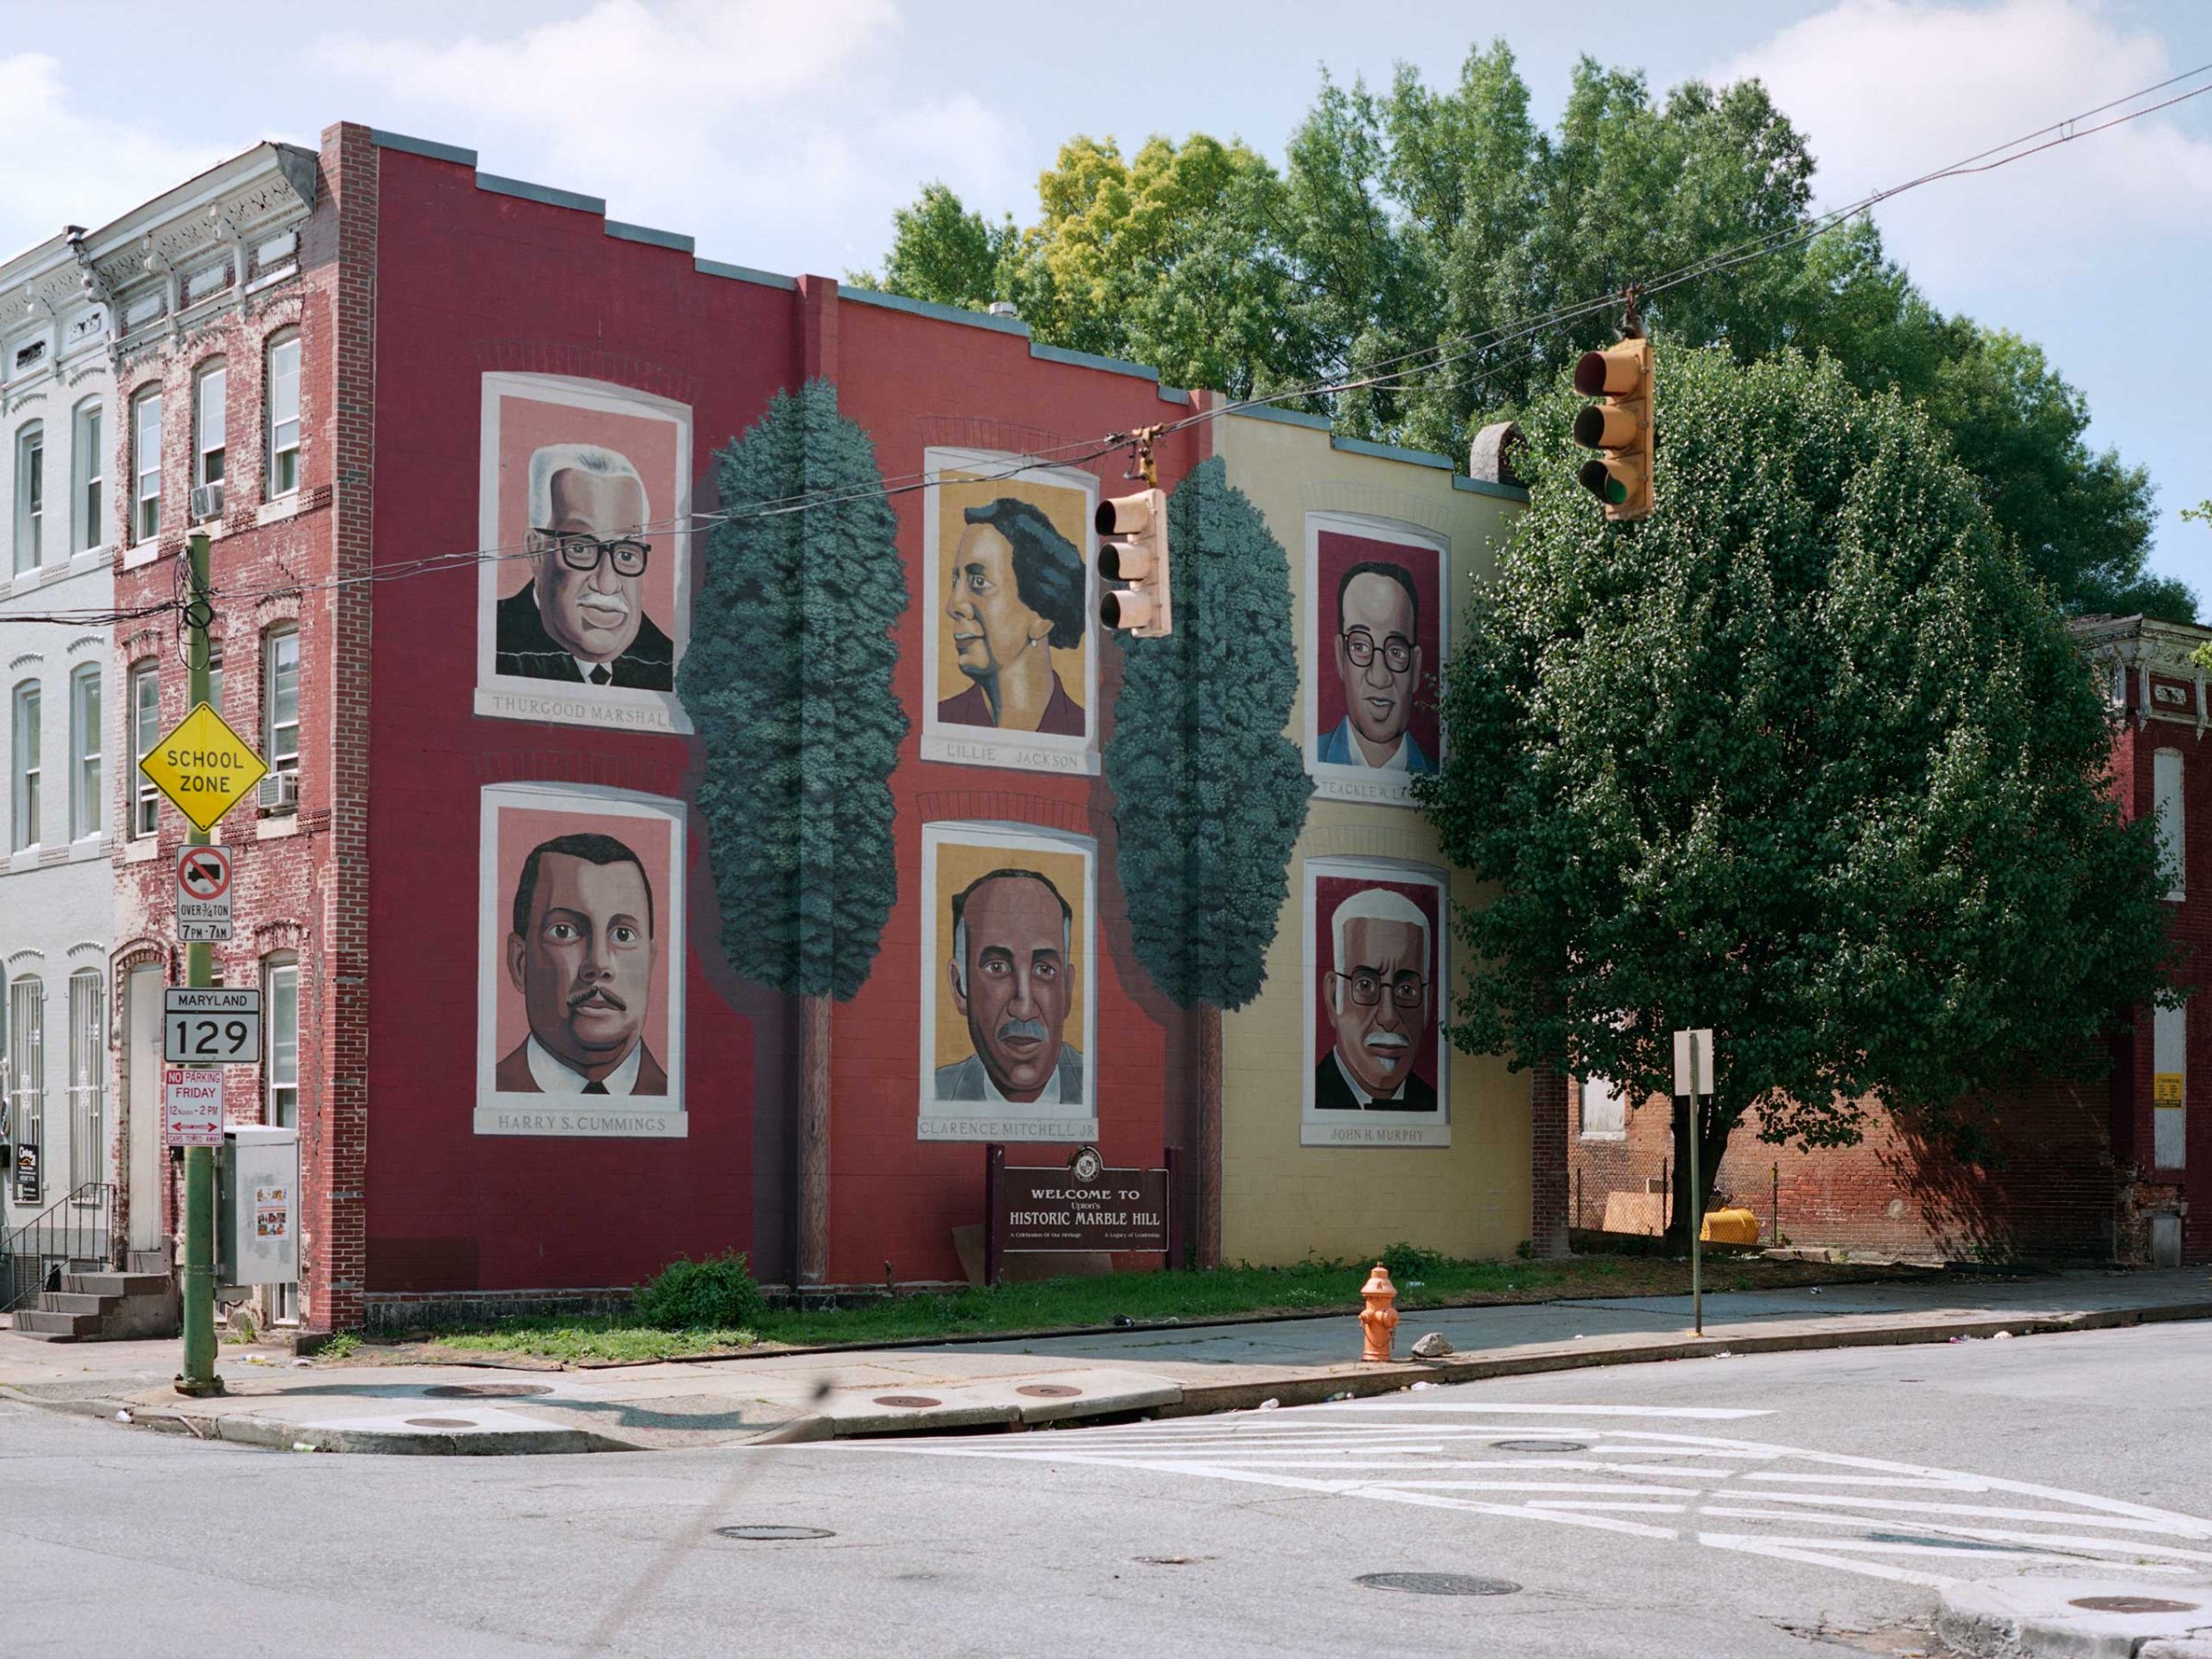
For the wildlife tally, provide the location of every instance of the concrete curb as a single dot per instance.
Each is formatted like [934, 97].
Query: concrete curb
[2042, 1618]
[969, 1406]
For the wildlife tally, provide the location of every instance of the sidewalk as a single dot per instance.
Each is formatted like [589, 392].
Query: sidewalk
[276, 1401]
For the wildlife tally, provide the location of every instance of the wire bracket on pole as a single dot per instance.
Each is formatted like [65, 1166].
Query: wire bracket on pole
[1140, 462]
[1631, 321]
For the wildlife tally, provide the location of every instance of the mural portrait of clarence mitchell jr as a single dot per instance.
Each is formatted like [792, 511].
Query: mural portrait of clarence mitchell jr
[581, 954]
[1014, 981]
[581, 619]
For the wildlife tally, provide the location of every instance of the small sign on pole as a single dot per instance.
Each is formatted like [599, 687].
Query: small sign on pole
[1693, 1080]
[1693, 1059]
[203, 895]
[213, 1027]
[191, 1106]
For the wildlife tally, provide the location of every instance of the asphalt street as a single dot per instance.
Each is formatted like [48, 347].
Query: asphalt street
[1788, 1505]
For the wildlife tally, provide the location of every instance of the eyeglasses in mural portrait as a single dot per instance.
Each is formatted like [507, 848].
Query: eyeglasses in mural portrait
[1011, 679]
[579, 963]
[1375, 954]
[1007, 1004]
[1375, 644]
[586, 493]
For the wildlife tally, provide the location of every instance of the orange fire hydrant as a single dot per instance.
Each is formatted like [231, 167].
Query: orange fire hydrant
[1378, 1319]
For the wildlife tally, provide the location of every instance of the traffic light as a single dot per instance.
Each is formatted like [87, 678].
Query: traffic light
[1133, 551]
[1619, 429]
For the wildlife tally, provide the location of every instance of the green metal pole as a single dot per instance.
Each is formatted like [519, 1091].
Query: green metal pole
[198, 1376]
[1697, 1204]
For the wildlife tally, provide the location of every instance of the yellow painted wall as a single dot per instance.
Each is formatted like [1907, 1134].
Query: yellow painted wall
[1282, 1201]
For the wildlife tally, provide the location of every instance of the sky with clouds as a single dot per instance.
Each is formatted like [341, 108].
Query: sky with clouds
[783, 133]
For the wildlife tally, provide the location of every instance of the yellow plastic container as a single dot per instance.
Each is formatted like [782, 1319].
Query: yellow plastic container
[1731, 1227]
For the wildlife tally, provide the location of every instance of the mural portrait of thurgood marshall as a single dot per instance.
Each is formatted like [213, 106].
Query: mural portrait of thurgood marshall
[581, 955]
[1379, 1003]
[1017, 596]
[1014, 981]
[581, 619]
[1378, 658]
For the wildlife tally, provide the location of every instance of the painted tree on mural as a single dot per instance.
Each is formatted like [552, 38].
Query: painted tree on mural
[1409, 218]
[1210, 793]
[788, 679]
[1806, 758]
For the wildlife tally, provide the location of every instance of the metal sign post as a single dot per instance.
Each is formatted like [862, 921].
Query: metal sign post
[1693, 1077]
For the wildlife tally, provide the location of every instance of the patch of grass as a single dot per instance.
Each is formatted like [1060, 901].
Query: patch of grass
[341, 1347]
[1245, 1291]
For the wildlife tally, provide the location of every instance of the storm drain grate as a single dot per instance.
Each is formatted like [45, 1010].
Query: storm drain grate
[1048, 1390]
[1436, 1583]
[2131, 1604]
[774, 1535]
[484, 1391]
[1539, 1445]
[907, 1402]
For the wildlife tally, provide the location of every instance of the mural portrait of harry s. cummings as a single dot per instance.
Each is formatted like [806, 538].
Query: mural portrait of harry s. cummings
[582, 956]
[582, 618]
[1379, 1000]
[1013, 979]
[1018, 596]
[1379, 661]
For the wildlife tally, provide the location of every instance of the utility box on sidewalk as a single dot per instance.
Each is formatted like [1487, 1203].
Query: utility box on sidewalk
[257, 1216]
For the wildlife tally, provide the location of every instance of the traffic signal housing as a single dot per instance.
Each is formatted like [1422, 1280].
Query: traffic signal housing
[1132, 553]
[1618, 428]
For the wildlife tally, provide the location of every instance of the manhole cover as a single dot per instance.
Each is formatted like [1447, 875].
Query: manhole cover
[1539, 1445]
[1436, 1583]
[906, 1402]
[2131, 1604]
[1048, 1390]
[484, 1391]
[440, 1423]
[774, 1535]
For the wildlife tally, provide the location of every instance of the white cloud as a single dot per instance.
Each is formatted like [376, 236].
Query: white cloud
[757, 126]
[1886, 90]
[65, 166]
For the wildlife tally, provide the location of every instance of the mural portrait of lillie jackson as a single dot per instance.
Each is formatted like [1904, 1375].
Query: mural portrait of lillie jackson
[585, 499]
[581, 1026]
[1006, 994]
[1012, 679]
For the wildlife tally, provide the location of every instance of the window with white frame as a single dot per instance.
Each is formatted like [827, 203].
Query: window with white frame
[27, 1070]
[209, 388]
[84, 752]
[146, 730]
[146, 466]
[88, 477]
[280, 700]
[31, 496]
[281, 1067]
[1604, 1110]
[23, 763]
[87, 1080]
[282, 402]
[2166, 809]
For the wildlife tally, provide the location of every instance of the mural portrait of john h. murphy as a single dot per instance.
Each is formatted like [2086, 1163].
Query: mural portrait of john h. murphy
[581, 1023]
[1012, 680]
[1009, 995]
[1376, 958]
[585, 500]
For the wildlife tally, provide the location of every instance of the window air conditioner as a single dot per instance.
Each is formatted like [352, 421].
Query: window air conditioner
[206, 502]
[280, 792]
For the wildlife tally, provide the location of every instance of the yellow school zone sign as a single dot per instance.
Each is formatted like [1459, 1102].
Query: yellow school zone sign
[203, 766]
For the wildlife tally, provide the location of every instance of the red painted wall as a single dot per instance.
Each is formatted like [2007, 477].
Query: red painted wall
[470, 281]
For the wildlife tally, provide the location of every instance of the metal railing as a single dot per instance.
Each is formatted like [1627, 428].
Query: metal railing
[71, 1231]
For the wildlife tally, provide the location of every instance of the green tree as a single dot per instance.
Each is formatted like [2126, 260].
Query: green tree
[942, 252]
[1210, 793]
[1806, 758]
[1407, 220]
[788, 677]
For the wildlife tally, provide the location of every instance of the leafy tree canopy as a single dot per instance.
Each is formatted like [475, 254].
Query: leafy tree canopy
[1211, 795]
[1410, 217]
[1804, 758]
[788, 679]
